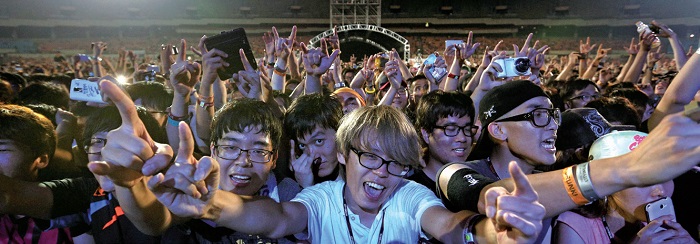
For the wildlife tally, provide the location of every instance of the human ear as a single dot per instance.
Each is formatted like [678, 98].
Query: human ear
[341, 158]
[426, 137]
[497, 131]
[41, 162]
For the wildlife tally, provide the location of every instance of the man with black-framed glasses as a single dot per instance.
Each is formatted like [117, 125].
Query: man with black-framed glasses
[519, 124]
[445, 121]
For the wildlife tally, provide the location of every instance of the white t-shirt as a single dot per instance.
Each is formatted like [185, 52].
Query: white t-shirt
[402, 214]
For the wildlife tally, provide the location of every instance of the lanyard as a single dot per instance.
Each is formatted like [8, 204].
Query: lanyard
[493, 170]
[347, 220]
[607, 228]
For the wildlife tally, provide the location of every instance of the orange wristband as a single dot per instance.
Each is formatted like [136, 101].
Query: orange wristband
[572, 188]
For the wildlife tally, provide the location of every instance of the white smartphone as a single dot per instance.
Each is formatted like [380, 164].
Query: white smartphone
[450, 43]
[85, 90]
[658, 208]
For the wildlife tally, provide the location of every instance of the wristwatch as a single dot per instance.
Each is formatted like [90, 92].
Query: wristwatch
[339, 85]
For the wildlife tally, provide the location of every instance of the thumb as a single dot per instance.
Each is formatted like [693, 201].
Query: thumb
[186, 146]
[99, 167]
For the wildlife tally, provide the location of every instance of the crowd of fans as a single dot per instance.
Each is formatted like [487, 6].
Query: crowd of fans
[489, 140]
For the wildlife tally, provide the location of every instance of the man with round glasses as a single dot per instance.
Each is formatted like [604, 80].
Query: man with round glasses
[519, 124]
[445, 121]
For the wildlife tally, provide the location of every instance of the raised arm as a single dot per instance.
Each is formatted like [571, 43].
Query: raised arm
[679, 93]
[678, 52]
[632, 50]
[592, 68]
[210, 90]
[635, 70]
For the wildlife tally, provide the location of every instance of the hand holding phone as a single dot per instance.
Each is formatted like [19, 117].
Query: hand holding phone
[658, 208]
[230, 42]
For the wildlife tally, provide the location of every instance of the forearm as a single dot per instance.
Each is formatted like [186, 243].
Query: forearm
[636, 68]
[626, 67]
[566, 73]
[405, 72]
[24, 198]
[293, 67]
[678, 52]
[452, 83]
[474, 81]
[97, 67]
[388, 97]
[255, 215]
[592, 68]
[278, 76]
[680, 92]
[648, 72]
[143, 208]
[204, 115]
[582, 65]
[312, 84]
[178, 108]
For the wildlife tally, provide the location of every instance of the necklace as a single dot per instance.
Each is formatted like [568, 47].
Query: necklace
[493, 170]
[347, 220]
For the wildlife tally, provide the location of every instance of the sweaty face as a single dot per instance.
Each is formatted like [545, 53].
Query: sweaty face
[367, 189]
[526, 141]
[631, 201]
[582, 97]
[14, 162]
[445, 149]
[349, 102]
[241, 175]
[418, 89]
[320, 145]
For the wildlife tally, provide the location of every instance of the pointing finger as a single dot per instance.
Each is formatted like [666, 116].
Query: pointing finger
[522, 184]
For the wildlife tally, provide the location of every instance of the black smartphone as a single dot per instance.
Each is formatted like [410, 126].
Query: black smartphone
[230, 42]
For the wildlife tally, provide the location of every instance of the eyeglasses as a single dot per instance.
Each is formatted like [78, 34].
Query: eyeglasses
[95, 145]
[233, 152]
[453, 130]
[540, 117]
[372, 161]
[586, 98]
[402, 91]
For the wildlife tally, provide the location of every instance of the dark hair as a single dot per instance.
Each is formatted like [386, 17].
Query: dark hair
[570, 87]
[46, 110]
[638, 98]
[108, 118]
[309, 111]
[153, 95]
[46, 93]
[22, 125]
[243, 113]
[417, 77]
[616, 109]
[14, 80]
[438, 104]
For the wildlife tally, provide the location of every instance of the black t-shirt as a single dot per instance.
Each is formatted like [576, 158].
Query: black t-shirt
[421, 178]
[107, 220]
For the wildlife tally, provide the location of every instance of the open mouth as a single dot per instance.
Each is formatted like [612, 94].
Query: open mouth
[549, 144]
[373, 190]
[239, 179]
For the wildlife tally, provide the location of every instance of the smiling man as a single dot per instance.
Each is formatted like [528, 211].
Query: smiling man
[446, 125]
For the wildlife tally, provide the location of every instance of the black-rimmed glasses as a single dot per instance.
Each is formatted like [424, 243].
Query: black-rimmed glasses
[233, 152]
[586, 98]
[539, 117]
[453, 130]
[95, 145]
[372, 161]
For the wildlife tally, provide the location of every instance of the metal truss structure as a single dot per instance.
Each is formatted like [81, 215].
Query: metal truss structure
[345, 12]
[366, 27]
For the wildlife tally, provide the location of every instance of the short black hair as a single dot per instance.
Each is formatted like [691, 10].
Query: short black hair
[572, 86]
[438, 104]
[153, 95]
[108, 118]
[309, 111]
[22, 125]
[46, 93]
[243, 113]
[616, 109]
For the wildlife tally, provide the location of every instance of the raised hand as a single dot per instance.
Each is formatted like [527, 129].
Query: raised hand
[283, 46]
[130, 153]
[183, 74]
[517, 216]
[654, 56]
[248, 78]
[585, 48]
[212, 61]
[270, 40]
[646, 39]
[518, 52]
[188, 183]
[367, 71]
[333, 40]
[633, 48]
[317, 61]
[602, 52]
[664, 30]
[468, 48]
[98, 48]
[488, 78]
[392, 71]
[536, 56]
[301, 166]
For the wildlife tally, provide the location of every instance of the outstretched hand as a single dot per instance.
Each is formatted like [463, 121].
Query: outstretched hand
[130, 153]
[188, 184]
[517, 216]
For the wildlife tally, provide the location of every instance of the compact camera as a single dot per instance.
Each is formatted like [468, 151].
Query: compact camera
[513, 67]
